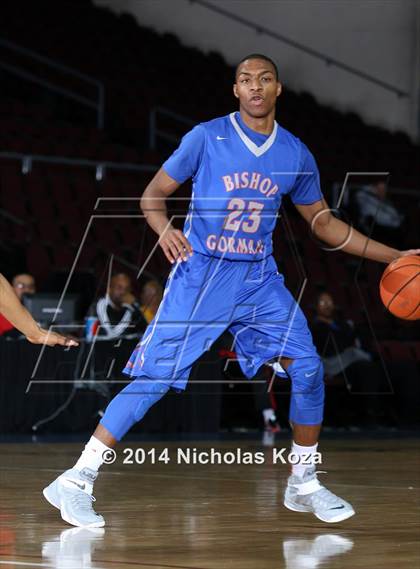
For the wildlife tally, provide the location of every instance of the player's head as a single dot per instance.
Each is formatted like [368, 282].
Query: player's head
[23, 284]
[119, 287]
[324, 305]
[257, 85]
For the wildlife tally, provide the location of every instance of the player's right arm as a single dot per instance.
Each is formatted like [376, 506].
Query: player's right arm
[153, 205]
[12, 309]
[179, 167]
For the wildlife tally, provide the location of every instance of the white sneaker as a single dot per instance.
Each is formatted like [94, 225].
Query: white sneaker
[306, 494]
[71, 493]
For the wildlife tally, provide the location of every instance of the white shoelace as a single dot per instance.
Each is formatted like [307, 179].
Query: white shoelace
[323, 496]
[83, 500]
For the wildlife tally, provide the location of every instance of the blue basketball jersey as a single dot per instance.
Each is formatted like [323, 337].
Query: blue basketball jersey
[239, 179]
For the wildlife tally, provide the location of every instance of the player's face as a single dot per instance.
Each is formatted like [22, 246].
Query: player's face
[256, 87]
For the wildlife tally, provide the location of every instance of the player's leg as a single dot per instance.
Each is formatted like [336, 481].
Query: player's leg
[272, 325]
[304, 492]
[305, 436]
[170, 345]
[72, 491]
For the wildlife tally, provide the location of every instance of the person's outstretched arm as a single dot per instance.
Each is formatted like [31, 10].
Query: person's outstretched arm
[342, 237]
[12, 309]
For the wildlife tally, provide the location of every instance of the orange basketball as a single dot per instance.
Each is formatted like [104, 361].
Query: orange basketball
[400, 287]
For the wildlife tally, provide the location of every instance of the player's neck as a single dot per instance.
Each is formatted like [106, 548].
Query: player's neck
[263, 125]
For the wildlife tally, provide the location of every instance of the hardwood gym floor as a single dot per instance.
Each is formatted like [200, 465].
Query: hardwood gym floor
[184, 516]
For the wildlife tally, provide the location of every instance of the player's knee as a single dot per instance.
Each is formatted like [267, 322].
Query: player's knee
[307, 372]
[307, 401]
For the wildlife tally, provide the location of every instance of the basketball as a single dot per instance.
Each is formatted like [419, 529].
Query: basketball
[400, 287]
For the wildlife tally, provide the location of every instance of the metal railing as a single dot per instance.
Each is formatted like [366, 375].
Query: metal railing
[328, 60]
[98, 104]
[100, 166]
[10, 217]
[155, 132]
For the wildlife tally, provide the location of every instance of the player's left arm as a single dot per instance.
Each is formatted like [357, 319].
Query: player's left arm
[340, 236]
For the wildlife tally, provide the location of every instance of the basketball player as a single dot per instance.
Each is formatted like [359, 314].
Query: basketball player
[12, 309]
[224, 277]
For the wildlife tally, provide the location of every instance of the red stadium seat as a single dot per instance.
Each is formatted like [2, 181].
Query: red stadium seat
[38, 260]
[64, 256]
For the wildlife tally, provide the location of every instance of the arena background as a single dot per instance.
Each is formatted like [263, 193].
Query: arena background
[94, 96]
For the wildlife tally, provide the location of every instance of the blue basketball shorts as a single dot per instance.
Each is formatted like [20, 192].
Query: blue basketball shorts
[203, 297]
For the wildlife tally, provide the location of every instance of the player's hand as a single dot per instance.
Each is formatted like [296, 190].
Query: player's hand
[51, 339]
[175, 245]
[410, 252]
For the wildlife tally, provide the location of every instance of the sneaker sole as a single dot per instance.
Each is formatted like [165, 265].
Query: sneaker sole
[73, 522]
[338, 518]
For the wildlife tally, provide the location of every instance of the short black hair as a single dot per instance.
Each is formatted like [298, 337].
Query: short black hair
[258, 56]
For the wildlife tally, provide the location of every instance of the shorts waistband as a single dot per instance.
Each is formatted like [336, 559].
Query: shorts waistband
[234, 260]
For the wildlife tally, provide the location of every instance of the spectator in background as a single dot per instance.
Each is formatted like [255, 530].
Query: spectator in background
[22, 284]
[150, 298]
[118, 311]
[343, 356]
[372, 205]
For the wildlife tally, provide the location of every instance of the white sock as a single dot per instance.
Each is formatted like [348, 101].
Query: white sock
[307, 456]
[268, 415]
[91, 456]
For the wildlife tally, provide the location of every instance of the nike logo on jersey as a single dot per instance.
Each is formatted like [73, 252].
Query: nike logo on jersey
[221, 137]
[337, 507]
[310, 374]
[81, 486]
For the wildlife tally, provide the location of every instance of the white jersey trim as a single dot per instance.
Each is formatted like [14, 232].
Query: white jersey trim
[256, 150]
